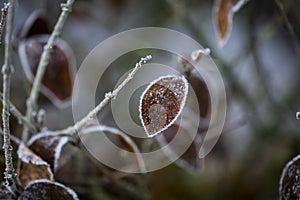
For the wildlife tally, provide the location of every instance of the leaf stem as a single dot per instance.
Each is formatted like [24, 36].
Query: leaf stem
[44, 60]
[7, 69]
[108, 97]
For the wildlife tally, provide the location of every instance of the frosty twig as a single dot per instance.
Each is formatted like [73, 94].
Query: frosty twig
[108, 97]
[7, 69]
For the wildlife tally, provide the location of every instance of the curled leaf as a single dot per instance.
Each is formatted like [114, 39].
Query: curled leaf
[48, 146]
[47, 190]
[32, 167]
[162, 103]
[289, 185]
[57, 82]
[224, 10]
[113, 147]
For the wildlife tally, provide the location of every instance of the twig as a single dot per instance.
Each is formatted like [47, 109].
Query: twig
[108, 97]
[7, 69]
[44, 60]
[4, 11]
[19, 116]
[289, 26]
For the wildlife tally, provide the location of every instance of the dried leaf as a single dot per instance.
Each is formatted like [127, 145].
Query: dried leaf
[35, 24]
[162, 103]
[47, 190]
[32, 167]
[202, 93]
[121, 150]
[289, 185]
[223, 20]
[57, 82]
[48, 146]
[224, 10]
[187, 159]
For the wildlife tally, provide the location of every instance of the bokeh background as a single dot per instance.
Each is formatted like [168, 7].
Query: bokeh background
[260, 66]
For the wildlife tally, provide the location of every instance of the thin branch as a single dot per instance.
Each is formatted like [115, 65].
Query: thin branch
[22, 119]
[108, 97]
[44, 60]
[289, 26]
[4, 11]
[7, 69]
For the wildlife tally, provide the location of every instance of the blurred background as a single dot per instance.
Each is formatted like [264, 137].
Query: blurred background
[260, 66]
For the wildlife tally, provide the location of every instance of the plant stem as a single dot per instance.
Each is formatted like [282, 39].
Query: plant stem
[4, 11]
[23, 120]
[7, 69]
[44, 60]
[72, 130]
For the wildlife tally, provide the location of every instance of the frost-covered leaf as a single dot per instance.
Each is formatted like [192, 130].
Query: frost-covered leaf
[162, 102]
[57, 82]
[48, 146]
[47, 190]
[35, 24]
[187, 159]
[223, 14]
[32, 167]
[289, 185]
[119, 149]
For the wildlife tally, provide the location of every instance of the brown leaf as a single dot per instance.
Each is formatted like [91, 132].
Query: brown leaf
[48, 146]
[224, 10]
[32, 167]
[58, 78]
[289, 185]
[162, 103]
[35, 24]
[126, 155]
[202, 93]
[187, 159]
[223, 20]
[47, 190]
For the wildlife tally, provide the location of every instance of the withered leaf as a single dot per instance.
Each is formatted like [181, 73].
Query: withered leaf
[32, 167]
[35, 24]
[57, 82]
[162, 102]
[187, 159]
[202, 93]
[289, 185]
[48, 146]
[120, 148]
[223, 14]
[47, 190]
